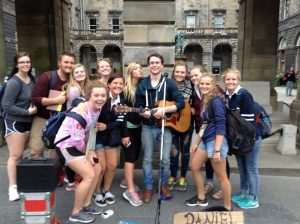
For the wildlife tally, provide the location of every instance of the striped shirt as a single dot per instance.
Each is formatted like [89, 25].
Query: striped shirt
[242, 100]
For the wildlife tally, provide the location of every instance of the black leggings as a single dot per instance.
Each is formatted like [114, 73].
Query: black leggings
[131, 153]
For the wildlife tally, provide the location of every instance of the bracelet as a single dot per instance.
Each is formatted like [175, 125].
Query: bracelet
[217, 151]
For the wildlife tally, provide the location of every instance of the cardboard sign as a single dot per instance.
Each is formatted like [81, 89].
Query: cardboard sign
[208, 218]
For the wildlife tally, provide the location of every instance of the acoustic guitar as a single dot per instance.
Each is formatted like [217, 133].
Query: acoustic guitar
[179, 121]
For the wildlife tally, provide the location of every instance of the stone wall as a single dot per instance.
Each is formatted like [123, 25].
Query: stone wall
[44, 35]
[149, 26]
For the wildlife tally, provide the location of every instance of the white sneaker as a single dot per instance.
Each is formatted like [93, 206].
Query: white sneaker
[13, 194]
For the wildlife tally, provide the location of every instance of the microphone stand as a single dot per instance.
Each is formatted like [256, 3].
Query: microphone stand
[157, 218]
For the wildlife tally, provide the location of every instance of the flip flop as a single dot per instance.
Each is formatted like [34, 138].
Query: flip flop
[107, 214]
[218, 195]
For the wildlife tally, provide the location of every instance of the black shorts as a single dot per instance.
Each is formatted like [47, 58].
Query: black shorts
[16, 127]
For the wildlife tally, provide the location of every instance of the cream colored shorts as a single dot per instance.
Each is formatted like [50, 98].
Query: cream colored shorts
[35, 140]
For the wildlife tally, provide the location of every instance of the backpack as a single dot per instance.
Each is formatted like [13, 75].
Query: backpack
[2, 90]
[53, 124]
[262, 119]
[240, 134]
[53, 79]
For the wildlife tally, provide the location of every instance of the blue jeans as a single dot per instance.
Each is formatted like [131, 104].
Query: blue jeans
[248, 167]
[289, 88]
[151, 136]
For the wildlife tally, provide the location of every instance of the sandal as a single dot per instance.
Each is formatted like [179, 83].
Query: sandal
[107, 214]
[218, 195]
[208, 187]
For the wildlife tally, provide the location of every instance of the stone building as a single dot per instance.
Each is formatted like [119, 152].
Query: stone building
[288, 51]
[209, 30]
[8, 35]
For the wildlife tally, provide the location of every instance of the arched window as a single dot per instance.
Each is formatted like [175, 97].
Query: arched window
[297, 55]
[282, 44]
[281, 55]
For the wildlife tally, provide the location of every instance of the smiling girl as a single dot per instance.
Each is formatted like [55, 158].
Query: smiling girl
[239, 98]
[108, 140]
[16, 103]
[181, 140]
[72, 150]
[210, 143]
[104, 69]
[78, 82]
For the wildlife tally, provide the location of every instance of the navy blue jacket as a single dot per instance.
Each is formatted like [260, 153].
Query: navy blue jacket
[243, 101]
[216, 124]
[156, 94]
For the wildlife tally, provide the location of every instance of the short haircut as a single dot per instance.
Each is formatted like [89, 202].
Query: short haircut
[156, 54]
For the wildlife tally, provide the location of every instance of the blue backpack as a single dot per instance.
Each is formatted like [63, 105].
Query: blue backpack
[2, 90]
[262, 119]
[53, 124]
[3, 87]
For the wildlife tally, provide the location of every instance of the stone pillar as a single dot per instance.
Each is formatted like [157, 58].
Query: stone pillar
[257, 42]
[43, 30]
[287, 141]
[3, 65]
[149, 26]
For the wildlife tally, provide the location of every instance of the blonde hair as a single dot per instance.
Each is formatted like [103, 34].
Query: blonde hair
[108, 60]
[73, 83]
[130, 88]
[232, 70]
[213, 93]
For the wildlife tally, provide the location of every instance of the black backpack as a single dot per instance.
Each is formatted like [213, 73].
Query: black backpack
[53, 124]
[240, 134]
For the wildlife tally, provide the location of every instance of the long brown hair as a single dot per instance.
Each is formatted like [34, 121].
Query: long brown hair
[16, 58]
[180, 63]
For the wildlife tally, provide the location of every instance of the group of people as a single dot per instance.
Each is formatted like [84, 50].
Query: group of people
[91, 153]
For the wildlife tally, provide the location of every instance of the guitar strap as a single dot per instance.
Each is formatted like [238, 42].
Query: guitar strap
[157, 89]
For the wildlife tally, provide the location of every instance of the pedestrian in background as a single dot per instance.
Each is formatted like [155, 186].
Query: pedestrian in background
[290, 79]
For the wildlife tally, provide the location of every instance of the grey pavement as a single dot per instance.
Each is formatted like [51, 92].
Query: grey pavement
[279, 196]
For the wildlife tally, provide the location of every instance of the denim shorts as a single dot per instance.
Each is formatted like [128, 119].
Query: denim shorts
[100, 147]
[209, 147]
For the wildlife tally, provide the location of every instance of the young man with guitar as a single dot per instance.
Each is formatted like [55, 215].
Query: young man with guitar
[149, 92]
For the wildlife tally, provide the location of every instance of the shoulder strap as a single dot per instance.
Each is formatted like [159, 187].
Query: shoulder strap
[77, 117]
[53, 79]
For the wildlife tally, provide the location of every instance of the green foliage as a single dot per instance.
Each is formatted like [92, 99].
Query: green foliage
[278, 79]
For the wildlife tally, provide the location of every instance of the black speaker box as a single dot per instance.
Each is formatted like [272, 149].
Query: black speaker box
[37, 175]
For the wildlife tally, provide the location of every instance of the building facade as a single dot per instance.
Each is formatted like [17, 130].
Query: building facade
[209, 31]
[8, 35]
[288, 51]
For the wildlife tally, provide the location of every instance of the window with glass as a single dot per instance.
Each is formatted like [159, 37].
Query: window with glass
[93, 23]
[115, 24]
[218, 21]
[190, 21]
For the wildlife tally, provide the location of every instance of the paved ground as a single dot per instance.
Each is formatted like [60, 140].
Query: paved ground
[279, 196]
[279, 204]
